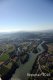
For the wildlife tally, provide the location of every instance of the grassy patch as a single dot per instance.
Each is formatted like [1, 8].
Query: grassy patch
[4, 57]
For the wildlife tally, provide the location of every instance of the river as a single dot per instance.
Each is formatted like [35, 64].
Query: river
[21, 72]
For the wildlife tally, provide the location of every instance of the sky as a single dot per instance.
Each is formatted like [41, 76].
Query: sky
[26, 15]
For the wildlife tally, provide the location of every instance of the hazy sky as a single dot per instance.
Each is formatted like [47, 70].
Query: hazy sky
[26, 15]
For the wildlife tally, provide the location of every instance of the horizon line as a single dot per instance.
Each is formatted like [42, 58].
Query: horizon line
[26, 31]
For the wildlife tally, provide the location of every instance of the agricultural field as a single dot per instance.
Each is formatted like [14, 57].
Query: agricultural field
[4, 52]
[5, 60]
[4, 57]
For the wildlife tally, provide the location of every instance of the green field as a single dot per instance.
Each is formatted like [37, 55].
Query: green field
[4, 57]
